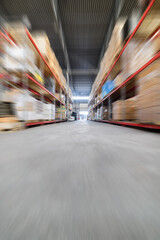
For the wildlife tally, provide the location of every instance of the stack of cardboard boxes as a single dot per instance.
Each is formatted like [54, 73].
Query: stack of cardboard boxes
[22, 57]
[141, 99]
[60, 113]
[124, 109]
[104, 112]
[43, 44]
[17, 31]
[148, 104]
[138, 52]
[114, 47]
[26, 107]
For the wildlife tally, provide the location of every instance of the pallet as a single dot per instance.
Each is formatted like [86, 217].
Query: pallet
[10, 124]
[39, 120]
[150, 122]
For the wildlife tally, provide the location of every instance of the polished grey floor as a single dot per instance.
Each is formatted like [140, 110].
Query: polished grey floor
[80, 181]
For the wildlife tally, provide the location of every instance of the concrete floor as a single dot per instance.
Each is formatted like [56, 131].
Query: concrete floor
[80, 181]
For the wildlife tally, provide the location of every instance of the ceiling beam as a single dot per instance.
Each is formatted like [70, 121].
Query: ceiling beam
[59, 28]
[83, 72]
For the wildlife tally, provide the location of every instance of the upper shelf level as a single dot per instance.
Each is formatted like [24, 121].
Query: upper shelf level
[11, 41]
[40, 54]
[136, 31]
[157, 56]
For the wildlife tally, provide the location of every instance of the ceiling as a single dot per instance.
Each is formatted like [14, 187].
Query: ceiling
[85, 24]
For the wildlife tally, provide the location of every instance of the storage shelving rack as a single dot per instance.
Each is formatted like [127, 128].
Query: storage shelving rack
[36, 88]
[121, 91]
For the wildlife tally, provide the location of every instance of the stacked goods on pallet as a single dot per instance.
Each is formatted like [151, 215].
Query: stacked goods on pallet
[17, 31]
[120, 32]
[60, 113]
[118, 80]
[130, 108]
[117, 110]
[10, 123]
[8, 120]
[48, 111]
[124, 109]
[114, 47]
[149, 49]
[19, 57]
[27, 108]
[148, 107]
[138, 52]
[42, 42]
[22, 57]
[104, 112]
[150, 23]
[107, 87]
[129, 57]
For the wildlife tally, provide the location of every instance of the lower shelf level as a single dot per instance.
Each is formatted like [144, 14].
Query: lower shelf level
[43, 123]
[132, 124]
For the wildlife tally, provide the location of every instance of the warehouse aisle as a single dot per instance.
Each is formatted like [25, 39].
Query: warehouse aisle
[80, 181]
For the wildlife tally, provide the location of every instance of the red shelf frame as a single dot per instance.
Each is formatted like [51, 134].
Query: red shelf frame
[42, 87]
[131, 124]
[131, 36]
[29, 124]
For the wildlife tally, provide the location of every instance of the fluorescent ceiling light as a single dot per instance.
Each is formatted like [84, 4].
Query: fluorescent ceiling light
[80, 97]
[83, 112]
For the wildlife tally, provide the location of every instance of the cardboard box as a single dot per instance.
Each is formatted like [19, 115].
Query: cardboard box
[17, 31]
[152, 70]
[60, 116]
[104, 112]
[124, 109]
[41, 40]
[61, 109]
[148, 105]
[114, 47]
[27, 107]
